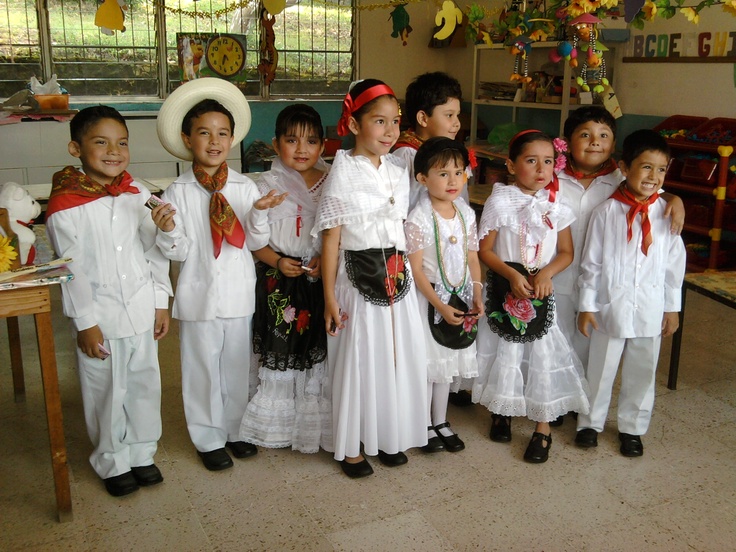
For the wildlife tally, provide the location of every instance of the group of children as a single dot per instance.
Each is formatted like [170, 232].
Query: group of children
[368, 302]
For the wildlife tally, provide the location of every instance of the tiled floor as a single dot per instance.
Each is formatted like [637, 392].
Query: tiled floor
[680, 496]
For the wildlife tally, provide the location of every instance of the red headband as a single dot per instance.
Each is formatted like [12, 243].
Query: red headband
[520, 134]
[350, 105]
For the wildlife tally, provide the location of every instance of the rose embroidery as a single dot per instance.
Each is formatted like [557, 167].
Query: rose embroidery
[302, 321]
[394, 274]
[289, 314]
[519, 311]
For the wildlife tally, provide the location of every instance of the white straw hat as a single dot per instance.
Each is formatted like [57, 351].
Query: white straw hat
[188, 95]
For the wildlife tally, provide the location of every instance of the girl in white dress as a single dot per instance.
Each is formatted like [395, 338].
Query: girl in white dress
[442, 244]
[527, 366]
[375, 355]
[290, 407]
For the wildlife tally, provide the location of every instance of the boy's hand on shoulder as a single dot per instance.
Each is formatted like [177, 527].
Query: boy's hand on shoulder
[586, 319]
[161, 325]
[89, 342]
[163, 217]
[676, 211]
[670, 323]
[271, 199]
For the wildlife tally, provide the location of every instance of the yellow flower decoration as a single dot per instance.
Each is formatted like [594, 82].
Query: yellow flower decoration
[730, 7]
[609, 3]
[649, 9]
[575, 9]
[691, 14]
[7, 254]
[540, 36]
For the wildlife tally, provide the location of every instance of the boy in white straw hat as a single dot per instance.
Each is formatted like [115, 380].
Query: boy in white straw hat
[201, 226]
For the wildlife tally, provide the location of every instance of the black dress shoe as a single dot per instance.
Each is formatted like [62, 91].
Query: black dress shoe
[500, 428]
[557, 422]
[587, 438]
[461, 398]
[147, 475]
[354, 471]
[121, 485]
[241, 449]
[392, 460]
[216, 460]
[631, 445]
[537, 452]
[434, 444]
[453, 443]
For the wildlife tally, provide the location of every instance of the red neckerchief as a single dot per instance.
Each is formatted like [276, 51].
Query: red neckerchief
[408, 139]
[223, 222]
[71, 188]
[607, 168]
[623, 195]
[553, 187]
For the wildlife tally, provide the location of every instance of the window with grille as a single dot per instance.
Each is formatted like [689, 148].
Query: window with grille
[313, 40]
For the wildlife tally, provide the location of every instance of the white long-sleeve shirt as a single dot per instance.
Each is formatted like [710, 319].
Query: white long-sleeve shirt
[630, 291]
[209, 287]
[120, 276]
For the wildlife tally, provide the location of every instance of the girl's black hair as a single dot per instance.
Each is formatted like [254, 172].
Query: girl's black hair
[361, 87]
[295, 117]
[438, 152]
[516, 146]
[582, 115]
[640, 141]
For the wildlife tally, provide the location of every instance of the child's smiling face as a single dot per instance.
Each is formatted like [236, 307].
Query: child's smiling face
[444, 121]
[103, 150]
[299, 148]
[645, 176]
[444, 184]
[591, 145]
[210, 140]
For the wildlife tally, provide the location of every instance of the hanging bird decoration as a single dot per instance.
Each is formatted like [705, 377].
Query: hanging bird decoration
[585, 29]
[110, 16]
[400, 20]
[521, 48]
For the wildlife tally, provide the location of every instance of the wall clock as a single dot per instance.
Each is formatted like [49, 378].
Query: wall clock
[225, 55]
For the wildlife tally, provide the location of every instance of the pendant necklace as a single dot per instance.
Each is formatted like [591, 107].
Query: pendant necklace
[451, 287]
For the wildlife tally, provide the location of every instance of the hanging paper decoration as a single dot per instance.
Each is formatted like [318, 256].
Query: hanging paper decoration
[269, 53]
[110, 16]
[521, 47]
[191, 52]
[400, 21]
[585, 29]
[274, 7]
[447, 18]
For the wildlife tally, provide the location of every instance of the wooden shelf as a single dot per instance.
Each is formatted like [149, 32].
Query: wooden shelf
[702, 189]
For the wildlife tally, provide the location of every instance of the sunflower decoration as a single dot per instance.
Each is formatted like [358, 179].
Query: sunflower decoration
[8, 254]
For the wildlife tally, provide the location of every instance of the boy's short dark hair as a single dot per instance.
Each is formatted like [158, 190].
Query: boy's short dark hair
[640, 141]
[438, 152]
[585, 114]
[199, 109]
[82, 121]
[299, 116]
[429, 90]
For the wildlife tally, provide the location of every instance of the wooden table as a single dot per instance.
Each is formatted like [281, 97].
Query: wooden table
[719, 286]
[37, 301]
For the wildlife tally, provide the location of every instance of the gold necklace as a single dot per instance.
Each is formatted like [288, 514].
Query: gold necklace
[450, 286]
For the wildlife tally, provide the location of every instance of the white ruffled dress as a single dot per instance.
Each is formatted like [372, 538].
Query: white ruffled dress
[541, 379]
[444, 365]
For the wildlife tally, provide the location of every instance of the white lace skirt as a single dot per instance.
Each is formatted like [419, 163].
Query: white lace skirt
[540, 380]
[446, 365]
[379, 375]
[290, 409]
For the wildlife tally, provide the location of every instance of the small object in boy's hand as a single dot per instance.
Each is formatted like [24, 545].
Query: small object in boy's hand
[470, 315]
[307, 268]
[103, 350]
[154, 202]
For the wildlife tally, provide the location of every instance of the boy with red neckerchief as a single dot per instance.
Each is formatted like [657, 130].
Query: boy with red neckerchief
[118, 300]
[588, 178]
[215, 293]
[630, 291]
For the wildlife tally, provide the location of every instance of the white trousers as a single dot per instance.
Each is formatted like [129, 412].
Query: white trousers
[638, 369]
[122, 404]
[215, 365]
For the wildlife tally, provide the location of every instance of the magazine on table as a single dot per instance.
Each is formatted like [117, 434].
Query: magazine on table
[53, 272]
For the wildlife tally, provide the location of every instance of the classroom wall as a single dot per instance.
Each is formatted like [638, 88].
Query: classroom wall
[32, 151]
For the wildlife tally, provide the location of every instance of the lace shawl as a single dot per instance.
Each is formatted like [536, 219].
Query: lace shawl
[509, 207]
